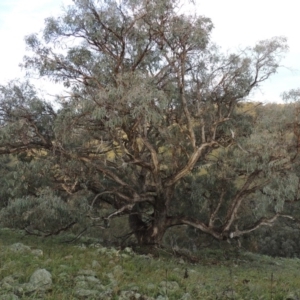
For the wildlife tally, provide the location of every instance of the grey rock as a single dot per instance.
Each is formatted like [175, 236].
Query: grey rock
[84, 293]
[118, 270]
[125, 295]
[132, 295]
[169, 286]
[92, 279]
[82, 285]
[41, 279]
[82, 246]
[186, 296]
[95, 264]
[106, 295]
[102, 250]
[19, 247]
[128, 250]
[37, 252]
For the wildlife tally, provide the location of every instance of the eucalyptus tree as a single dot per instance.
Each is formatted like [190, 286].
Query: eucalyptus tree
[149, 121]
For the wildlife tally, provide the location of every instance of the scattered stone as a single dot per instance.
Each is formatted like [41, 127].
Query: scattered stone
[37, 252]
[186, 296]
[19, 247]
[82, 246]
[128, 250]
[92, 279]
[88, 285]
[41, 279]
[118, 271]
[168, 287]
[102, 250]
[126, 295]
[95, 264]
[84, 293]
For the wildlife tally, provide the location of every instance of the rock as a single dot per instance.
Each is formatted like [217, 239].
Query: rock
[102, 250]
[87, 282]
[169, 286]
[19, 247]
[41, 279]
[84, 293]
[126, 295]
[81, 284]
[186, 296]
[82, 246]
[92, 279]
[37, 252]
[95, 264]
[118, 270]
[128, 250]
[106, 295]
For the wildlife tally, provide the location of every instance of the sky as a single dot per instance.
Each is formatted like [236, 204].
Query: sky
[237, 23]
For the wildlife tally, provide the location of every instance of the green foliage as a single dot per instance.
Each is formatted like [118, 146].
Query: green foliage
[153, 118]
[44, 214]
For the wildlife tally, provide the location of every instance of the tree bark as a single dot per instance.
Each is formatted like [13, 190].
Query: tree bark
[151, 231]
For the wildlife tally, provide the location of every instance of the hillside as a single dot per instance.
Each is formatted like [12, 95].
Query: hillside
[87, 270]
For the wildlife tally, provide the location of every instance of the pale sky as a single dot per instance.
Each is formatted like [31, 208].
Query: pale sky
[238, 23]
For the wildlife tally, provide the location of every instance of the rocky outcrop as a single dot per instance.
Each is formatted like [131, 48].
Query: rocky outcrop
[39, 283]
[21, 248]
[86, 283]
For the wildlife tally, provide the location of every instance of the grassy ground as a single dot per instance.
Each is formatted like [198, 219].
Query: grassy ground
[211, 274]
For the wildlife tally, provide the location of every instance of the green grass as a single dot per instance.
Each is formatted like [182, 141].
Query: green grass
[218, 274]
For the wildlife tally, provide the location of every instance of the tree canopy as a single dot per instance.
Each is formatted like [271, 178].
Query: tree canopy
[153, 121]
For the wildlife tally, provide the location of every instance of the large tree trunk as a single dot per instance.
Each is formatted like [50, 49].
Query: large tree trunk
[150, 230]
